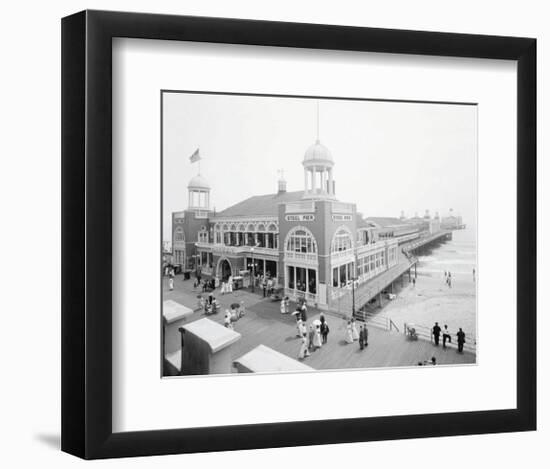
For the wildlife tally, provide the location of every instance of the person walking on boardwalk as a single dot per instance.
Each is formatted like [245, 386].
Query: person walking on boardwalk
[349, 336]
[304, 348]
[446, 336]
[317, 342]
[324, 329]
[298, 326]
[436, 331]
[366, 335]
[303, 309]
[354, 332]
[171, 283]
[264, 286]
[310, 337]
[460, 339]
[284, 305]
[361, 338]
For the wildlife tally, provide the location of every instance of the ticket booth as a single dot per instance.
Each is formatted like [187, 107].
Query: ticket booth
[263, 359]
[207, 348]
[175, 315]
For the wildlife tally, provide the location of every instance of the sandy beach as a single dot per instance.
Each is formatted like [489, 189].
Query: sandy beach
[431, 300]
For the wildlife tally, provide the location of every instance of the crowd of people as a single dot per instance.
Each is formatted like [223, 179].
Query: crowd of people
[445, 334]
[353, 335]
[314, 335]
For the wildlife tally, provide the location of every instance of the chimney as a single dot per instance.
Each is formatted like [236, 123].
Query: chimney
[427, 214]
[281, 184]
[402, 216]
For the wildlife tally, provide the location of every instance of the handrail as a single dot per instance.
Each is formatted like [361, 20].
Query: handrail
[425, 333]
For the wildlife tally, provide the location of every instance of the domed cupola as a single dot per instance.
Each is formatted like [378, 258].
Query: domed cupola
[199, 193]
[198, 182]
[318, 164]
[318, 153]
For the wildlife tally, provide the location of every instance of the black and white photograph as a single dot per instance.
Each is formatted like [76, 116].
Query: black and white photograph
[306, 234]
[275, 234]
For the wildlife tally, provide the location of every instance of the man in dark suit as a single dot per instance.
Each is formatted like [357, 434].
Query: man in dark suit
[436, 331]
[460, 339]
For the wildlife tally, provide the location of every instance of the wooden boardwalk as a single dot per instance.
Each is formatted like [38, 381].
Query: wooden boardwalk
[264, 324]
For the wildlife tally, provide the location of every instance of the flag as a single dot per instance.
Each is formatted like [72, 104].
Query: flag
[195, 156]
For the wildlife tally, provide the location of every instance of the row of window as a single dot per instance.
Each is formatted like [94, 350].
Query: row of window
[300, 240]
[263, 240]
[241, 228]
[343, 274]
[302, 279]
[367, 264]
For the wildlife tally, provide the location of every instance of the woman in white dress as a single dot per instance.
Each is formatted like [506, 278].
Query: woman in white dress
[304, 352]
[349, 336]
[317, 337]
[283, 306]
[299, 327]
[354, 332]
[303, 328]
[230, 284]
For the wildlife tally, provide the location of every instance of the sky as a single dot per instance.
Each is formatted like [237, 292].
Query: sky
[389, 156]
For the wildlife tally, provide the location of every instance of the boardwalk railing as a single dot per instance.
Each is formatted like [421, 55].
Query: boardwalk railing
[421, 332]
[425, 333]
[377, 321]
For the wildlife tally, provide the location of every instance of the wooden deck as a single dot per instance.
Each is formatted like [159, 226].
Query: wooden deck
[264, 324]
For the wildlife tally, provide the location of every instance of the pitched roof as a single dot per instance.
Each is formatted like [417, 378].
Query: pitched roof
[386, 221]
[261, 205]
[364, 223]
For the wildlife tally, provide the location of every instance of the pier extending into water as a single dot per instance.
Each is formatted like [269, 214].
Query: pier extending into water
[358, 295]
[361, 299]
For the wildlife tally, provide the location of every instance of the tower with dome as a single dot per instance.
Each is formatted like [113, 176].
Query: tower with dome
[191, 225]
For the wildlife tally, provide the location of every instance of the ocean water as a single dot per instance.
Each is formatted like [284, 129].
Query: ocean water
[457, 256]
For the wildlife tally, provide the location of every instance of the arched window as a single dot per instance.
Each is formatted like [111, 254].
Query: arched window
[261, 228]
[241, 228]
[272, 228]
[342, 240]
[301, 240]
[179, 234]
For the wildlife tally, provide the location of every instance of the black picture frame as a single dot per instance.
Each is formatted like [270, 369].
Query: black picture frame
[87, 232]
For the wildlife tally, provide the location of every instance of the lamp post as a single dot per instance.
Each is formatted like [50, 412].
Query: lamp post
[353, 296]
[253, 275]
[253, 265]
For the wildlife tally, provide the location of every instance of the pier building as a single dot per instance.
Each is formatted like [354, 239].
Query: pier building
[313, 245]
